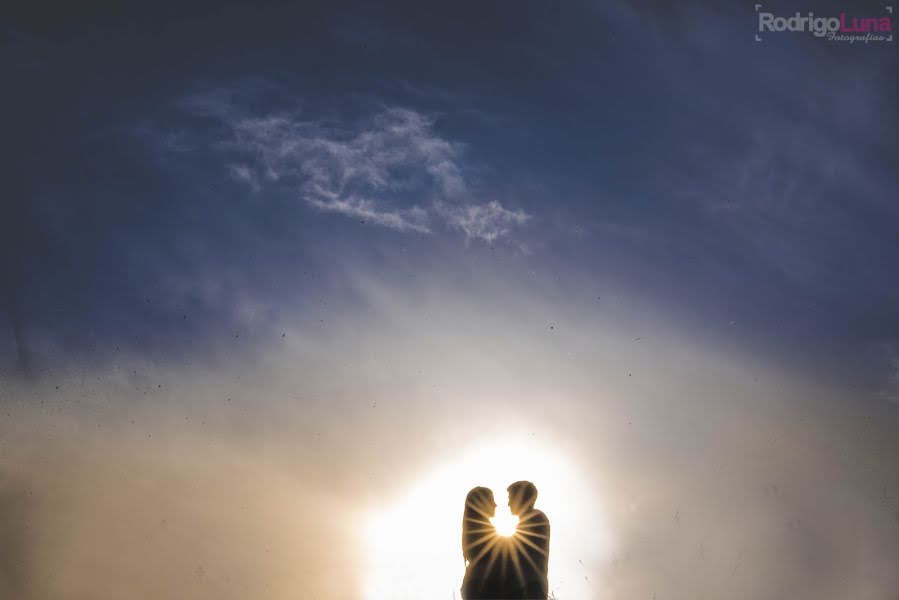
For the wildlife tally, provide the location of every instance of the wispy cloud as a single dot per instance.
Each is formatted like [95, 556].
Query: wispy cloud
[391, 169]
[412, 219]
[245, 174]
[482, 221]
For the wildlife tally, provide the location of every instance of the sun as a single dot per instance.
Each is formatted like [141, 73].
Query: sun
[505, 522]
[414, 543]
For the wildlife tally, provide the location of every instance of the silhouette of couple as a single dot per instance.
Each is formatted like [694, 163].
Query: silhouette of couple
[505, 568]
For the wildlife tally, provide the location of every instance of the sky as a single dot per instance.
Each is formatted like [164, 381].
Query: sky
[280, 283]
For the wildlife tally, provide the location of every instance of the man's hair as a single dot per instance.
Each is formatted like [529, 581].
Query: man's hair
[524, 492]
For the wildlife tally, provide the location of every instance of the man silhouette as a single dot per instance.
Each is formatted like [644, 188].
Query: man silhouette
[531, 543]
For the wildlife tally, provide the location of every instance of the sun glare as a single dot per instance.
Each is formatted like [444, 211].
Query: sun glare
[414, 545]
[505, 522]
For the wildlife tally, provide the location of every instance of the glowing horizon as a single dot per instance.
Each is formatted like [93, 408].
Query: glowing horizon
[415, 542]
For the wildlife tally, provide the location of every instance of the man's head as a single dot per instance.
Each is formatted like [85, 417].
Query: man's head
[522, 495]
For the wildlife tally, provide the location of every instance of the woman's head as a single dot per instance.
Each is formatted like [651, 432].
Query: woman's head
[479, 509]
[480, 503]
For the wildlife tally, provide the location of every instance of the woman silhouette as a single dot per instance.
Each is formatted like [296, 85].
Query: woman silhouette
[480, 547]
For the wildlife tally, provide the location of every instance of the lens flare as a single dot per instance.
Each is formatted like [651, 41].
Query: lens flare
[414, 545]
[504, 522]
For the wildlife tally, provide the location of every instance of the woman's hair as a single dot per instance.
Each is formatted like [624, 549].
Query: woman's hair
[476, 520]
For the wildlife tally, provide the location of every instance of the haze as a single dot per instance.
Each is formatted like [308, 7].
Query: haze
[280, 285]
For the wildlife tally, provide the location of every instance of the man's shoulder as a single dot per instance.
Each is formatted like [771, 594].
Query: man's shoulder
[538, 515]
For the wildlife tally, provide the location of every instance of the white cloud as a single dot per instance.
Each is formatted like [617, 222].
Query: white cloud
[391, 170]
[486, 222]
[413, 219]
[245, 174]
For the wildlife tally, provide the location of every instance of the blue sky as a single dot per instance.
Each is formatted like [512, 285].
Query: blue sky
[655, 148]
[501, 195]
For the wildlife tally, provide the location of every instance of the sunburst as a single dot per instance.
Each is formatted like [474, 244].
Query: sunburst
[505, 523]
[414, 542]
